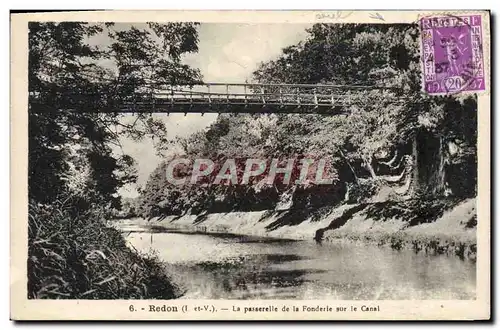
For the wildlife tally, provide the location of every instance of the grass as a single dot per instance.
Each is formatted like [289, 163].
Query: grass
[73, 255]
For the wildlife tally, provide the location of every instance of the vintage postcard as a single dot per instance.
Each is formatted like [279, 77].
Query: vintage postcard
[250, 165]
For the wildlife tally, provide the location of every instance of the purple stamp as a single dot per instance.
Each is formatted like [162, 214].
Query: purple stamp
[452, 56]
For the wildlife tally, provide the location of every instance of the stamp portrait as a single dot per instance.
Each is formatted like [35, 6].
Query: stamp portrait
[452, 54]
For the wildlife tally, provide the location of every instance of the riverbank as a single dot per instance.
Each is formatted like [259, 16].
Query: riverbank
[447, 227]
[76, 256]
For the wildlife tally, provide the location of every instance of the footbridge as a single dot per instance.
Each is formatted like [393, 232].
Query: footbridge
[237, 98]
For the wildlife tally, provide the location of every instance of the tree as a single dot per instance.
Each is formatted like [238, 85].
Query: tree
[393, 138]
[69, 85]
[380, 126]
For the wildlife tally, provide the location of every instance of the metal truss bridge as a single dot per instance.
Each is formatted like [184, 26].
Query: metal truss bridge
[239, 98]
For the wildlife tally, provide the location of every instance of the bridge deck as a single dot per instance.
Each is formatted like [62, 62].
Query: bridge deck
[227, 98]
[232, 104]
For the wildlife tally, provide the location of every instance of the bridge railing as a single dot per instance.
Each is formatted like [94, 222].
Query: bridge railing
[219, 94]
[226, 97]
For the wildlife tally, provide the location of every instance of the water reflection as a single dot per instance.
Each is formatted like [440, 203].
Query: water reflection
[242, 267]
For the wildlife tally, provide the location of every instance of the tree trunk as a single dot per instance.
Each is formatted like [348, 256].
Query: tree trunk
[350, 166]
[369, 167]
[428, 172]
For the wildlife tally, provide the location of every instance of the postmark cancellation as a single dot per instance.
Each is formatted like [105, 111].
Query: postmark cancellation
[452, 54]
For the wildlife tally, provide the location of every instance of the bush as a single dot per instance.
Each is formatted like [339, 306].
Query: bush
[363, 191]
[73, 255]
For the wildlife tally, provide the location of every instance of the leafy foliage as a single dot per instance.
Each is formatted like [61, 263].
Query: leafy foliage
[70, 80]
[382, 123]
[73, 171]
[78, 257]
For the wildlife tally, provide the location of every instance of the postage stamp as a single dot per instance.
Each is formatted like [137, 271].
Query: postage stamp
[250, 165]
[452, 54]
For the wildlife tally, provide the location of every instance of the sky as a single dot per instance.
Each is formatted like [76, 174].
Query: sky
[228, 53]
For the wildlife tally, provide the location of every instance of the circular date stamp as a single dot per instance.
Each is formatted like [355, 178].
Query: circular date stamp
[452, 54]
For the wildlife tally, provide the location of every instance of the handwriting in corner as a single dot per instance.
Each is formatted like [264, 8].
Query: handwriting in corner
[338, 15]
[377, 16]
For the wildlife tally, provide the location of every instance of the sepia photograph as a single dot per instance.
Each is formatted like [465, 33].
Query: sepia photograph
[330, 160]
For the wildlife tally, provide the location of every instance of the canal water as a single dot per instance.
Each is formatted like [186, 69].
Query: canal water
[222, 266]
